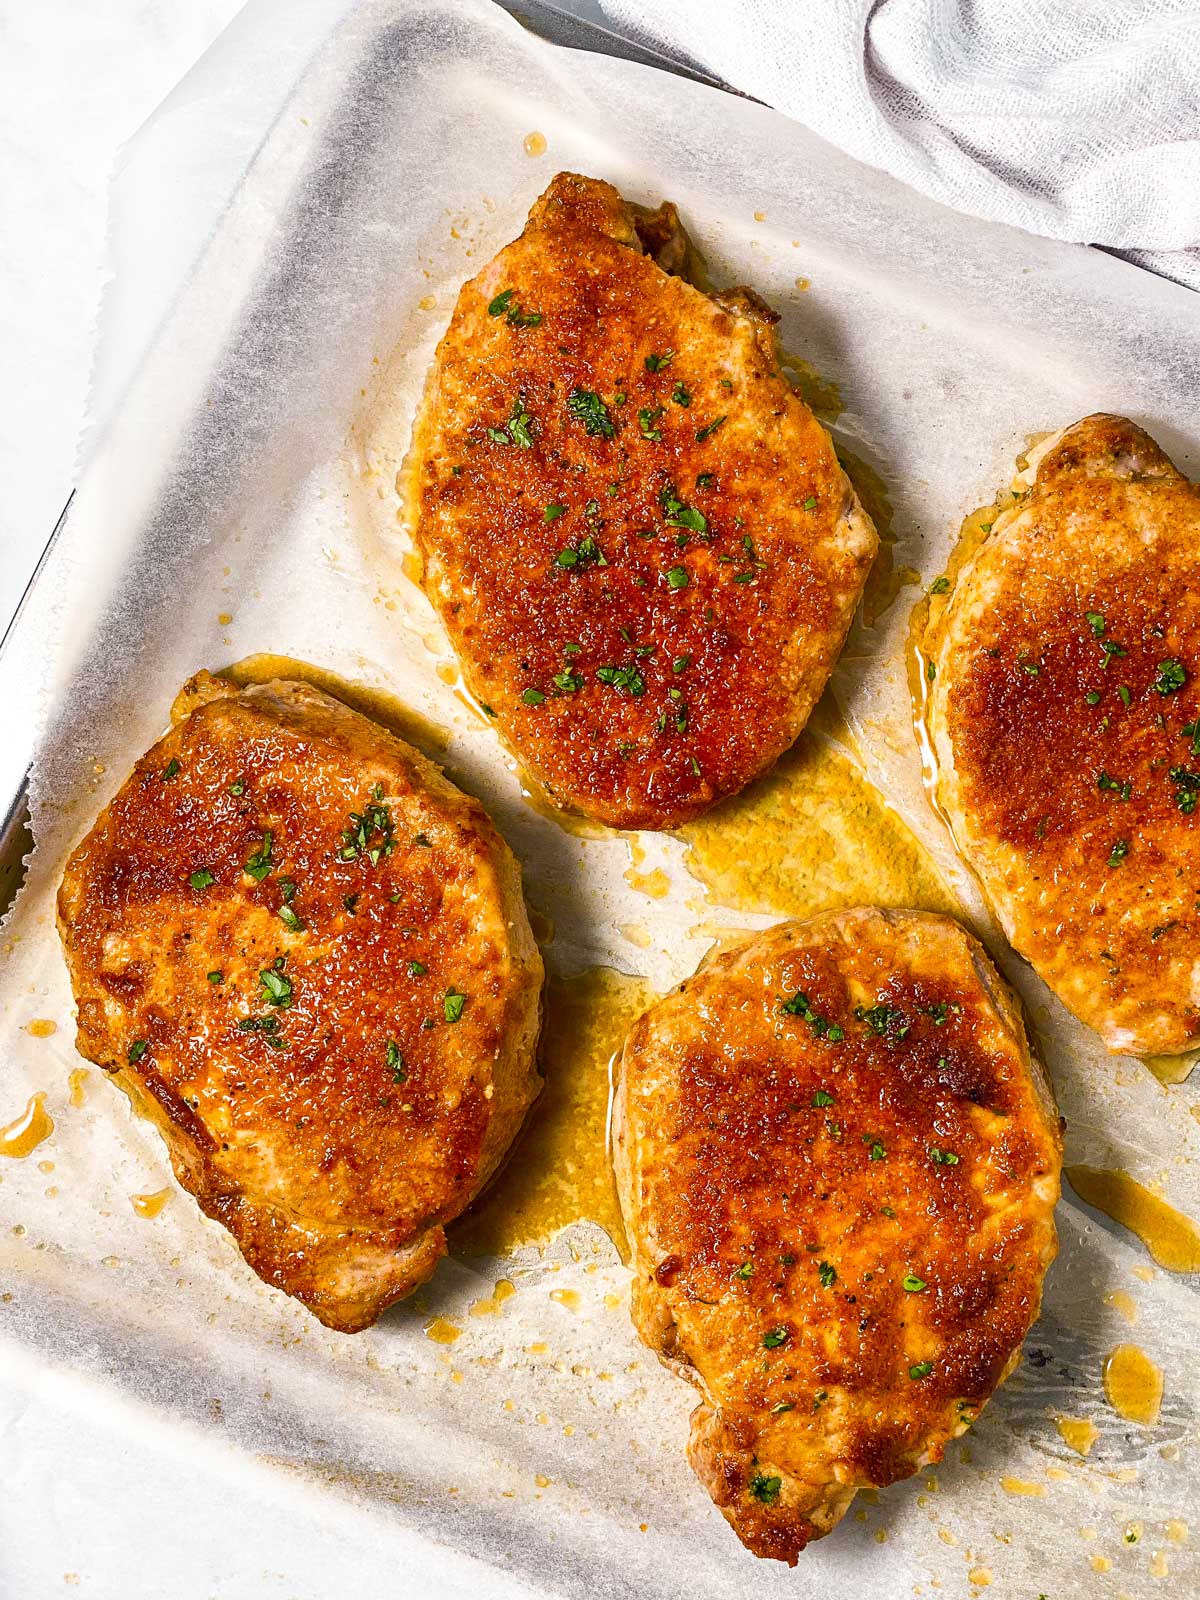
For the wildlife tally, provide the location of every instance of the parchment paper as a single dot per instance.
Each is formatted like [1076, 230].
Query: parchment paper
[248, 474]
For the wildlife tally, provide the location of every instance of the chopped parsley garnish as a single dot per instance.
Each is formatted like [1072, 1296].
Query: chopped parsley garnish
[876, 1152]
[268, 1027]
[201, 878]
[416, 968]
[1111, 648]
[290, 920]
[919, 1370]
[766, 1488]
[887, 1021]
[579, 555]
[774, 1337]
[259, 864]
[1187, 790]
[1119, 786]
[811, 503]
[533, 697]
[515, 316]
[745, 1270]
[800, 1006]
[680, 395]
[136, 1051]
[516, 429]
[656, 363]
[553, 511]
[1118, 852]
[370, 832]
[567, 682]
[940, 1011]
[627, 679]
[780, 1407]
[940, 585]
[822, 1098]
[681, 664]
[583, 405]
[1092, 697]
[1171, 676]
[912, 1284]
[170, 770]
[1096, 623]
[648, 423]
[1124, 694]
[216, 976]
[677, 578]
[707, 432]
[678, 515]
[943, 1158]
[395, 1061]
[277, 989]
[827, 1274]
[350, 901]
[452, 1005]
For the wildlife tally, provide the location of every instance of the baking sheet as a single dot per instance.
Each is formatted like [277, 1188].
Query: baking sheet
[248, 476]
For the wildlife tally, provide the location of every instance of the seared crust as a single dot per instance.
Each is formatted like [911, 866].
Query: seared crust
[785, 1173]
[1063, 716]
[287, 1028]
[674, 623]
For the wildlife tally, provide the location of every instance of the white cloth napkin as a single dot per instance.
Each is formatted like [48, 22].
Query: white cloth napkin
[1079, 119]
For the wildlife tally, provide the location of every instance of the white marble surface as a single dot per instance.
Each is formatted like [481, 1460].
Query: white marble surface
[76, 81]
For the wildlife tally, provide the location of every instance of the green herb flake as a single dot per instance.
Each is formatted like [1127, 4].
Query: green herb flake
[584, 405]
[238, 786]
[648, 423]
[171, 770]
[277, 989]
[940, 585]
[680, 396]
[395, 1061]
[799, 1005]
[453, 1003]
[290, 920]
[500, 304]
[822, 1098]
[533, 697]
[827, 1274]
[766, 1488]
[677, 578]
[919, 1370]
[1123, 692]
[553, 511]
[1092, 697]
[912, 1284]
[136, 1051]
[216, 976]
[626, 680]
[1118, 852]
[201, 878]
[1095, 622]
[943, 1158]
[258, 865]
[811, 503]
[886, 1021]
[745, 1270]
[707, 432]
[774, 1337]
[1170, 677]
[656, 363]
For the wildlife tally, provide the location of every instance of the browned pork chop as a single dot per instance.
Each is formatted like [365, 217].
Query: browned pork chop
[838, 1164]
[637, 535]
[1064, 715]
[302, 952]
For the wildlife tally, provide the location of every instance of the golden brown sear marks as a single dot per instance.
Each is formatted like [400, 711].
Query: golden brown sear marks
[1064, 716]
[638, 537]
[838, 1165]
[305, 954]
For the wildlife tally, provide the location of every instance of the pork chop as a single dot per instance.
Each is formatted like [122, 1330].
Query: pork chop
[838, 1164]
[638, 537]
[1065, 718]
[305, 955]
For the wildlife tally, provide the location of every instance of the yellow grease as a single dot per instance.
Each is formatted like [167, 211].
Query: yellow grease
[1121, 1300]
[566, 1297]
[77, 1080]
[149, 1205]
[441, 1331]
[41, 1028]
[492, 1306]
[1171, 1069]
[654, 883]
[813, 835]
[1077, 1433]
[559, 1172]
[1021, 1486]
[534, 144]
[1172, 1239]
[35, 1124]
[1133, 1385]
[428, 736]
